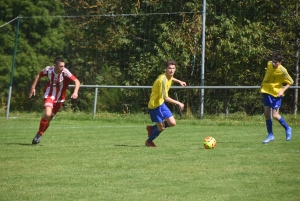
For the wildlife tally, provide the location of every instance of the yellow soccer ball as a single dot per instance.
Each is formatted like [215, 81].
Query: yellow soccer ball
[209, 142]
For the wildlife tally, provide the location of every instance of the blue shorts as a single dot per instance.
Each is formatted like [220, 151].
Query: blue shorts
[273, 102]
[160, 113]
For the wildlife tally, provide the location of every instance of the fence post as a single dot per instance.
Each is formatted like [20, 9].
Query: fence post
[12, 68]
[95, 101]
[203, 60]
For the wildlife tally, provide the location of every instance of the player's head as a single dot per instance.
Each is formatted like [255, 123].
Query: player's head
[57, 60]
[276, 59]
[59, 64]
[170, 68]
[170, 62]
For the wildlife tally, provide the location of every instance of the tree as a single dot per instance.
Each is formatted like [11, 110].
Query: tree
[40, 39]
[127, 42]
[131, 49]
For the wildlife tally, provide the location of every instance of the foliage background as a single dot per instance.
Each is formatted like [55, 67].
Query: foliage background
[127, 42]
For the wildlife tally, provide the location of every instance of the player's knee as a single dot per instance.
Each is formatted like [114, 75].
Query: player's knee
[171, 124]
[161, 129]
[277, 117]
[47, 116]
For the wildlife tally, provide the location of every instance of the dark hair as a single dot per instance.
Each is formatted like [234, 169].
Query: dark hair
[277, 56]
[57, 60]
[170, 62]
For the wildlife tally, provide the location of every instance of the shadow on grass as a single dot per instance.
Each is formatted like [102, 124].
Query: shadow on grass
[125, 145]
[226, 142]
[22, 144]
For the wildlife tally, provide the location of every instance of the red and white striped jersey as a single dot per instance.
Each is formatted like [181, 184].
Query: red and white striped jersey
[58, 83]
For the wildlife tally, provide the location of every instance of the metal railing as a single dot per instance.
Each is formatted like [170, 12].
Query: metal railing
[172, 87]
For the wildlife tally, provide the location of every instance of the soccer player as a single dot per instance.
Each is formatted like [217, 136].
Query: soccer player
[54, 92]
[273, 92]
[159, 112]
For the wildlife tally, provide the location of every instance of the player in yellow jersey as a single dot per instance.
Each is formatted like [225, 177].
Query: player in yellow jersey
[273, 92]
[159, 112]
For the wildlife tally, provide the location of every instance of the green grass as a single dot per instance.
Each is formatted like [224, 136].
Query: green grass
[80, 158]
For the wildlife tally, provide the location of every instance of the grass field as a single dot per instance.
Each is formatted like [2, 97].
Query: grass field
[80, 158]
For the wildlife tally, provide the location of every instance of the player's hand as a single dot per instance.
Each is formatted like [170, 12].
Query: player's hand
[74, 96]
[181, 105]
[280, 94]
[182, 84]
[32, 92]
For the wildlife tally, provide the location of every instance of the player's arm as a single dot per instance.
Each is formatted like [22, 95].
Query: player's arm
[76, 89]
[175, 102]
[288, 81]
[32, 90]
[282, 91]
[179, 82]
[265, 77]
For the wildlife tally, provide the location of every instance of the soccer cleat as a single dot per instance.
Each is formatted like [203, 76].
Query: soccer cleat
[150, 144]
[269, 138]
[149, 129]
[288, 133]
[37, 139]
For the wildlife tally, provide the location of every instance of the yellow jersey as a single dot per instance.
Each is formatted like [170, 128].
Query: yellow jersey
[274, 78]
[159, 91]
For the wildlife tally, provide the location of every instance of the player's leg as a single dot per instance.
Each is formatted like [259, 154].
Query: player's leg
[48, 105]
[170, 122]
[43, 125]
[169, 119]
[160, 126]
[267, 112]
[280, 119]
[268, 118]
[45, 120]
[150, 128]
[153, 131]
[156, 130]
[55, 109]
[158, 115]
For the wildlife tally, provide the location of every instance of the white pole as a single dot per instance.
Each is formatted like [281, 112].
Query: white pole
[203, 60]
[12, 68]
[95, 101]
[8, 102]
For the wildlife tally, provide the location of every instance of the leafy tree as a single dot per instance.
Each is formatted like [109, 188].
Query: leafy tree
[106, 43]
[40, 39]
[131, 49]
[240, 40]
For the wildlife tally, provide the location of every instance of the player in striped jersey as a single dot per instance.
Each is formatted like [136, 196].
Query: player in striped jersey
[273, 92]
[159, 112]
[59, 79]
